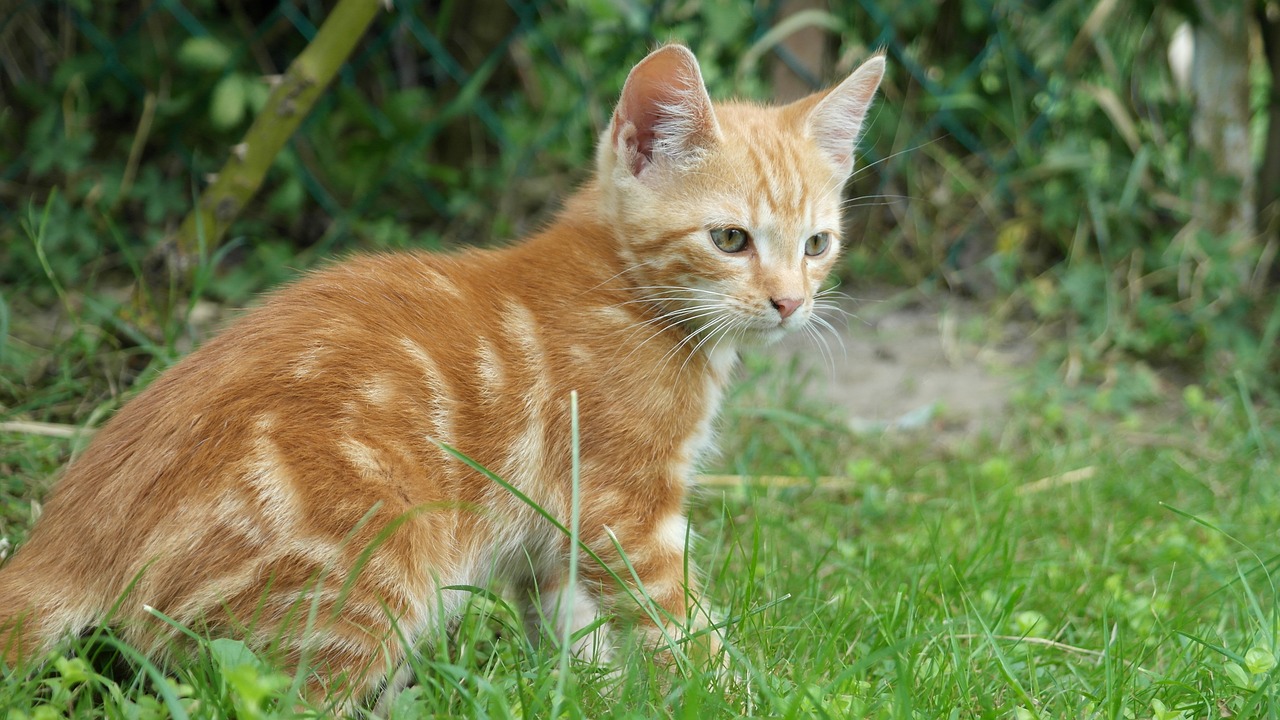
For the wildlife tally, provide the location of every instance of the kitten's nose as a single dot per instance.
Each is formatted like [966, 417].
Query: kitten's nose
[785, 306]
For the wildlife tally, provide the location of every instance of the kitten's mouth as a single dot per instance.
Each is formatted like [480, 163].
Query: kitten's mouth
[792, 323]
[752, 328]
[770, 334]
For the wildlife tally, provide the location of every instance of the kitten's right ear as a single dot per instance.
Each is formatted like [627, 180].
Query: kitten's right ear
[664, 114]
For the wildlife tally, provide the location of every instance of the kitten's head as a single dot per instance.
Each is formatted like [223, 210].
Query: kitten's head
[728, 214]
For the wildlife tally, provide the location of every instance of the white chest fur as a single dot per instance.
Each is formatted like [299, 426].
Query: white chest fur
[701, 445]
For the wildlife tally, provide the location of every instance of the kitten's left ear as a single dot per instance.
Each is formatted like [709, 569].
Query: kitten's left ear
[836, 121]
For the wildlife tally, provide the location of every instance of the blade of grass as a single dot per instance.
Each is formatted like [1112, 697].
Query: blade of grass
[36, 232]
[566, 642]
[4, 327]
[171, 700]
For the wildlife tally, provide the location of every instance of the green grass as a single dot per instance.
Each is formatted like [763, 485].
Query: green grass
[1105, 553]
[937, 584]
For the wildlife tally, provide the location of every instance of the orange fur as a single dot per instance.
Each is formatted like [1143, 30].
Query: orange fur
[255, 478]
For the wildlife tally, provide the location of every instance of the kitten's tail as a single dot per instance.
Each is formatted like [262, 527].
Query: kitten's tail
[37, 609]
[22, 630]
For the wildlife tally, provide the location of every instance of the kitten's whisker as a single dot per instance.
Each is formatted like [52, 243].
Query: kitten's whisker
[832, 292]
[681, 288]
[820, 305]
[709, 328]
[704, 340]
[616, 275]
[846, 313]
[683, 313]
[828, 326]
[826, 351]
[667, 323]
[737, 332]
[887, 158]
[836, 186]
[673, 287]
[856, 201]
[670, 323]
[827, 305]
[868, 204]
[656, 299]
[663, 302]
[822, 347]
[661, 298]
[662, 361]
[734, 327]
[880, 196]
[824, 300]
[685, 310]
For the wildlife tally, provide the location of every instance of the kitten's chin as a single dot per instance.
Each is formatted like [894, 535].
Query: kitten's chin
[764, 337]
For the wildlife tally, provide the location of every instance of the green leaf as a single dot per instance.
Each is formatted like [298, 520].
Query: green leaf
[1237, 675]
[230, 654]
[229, 102]
[256, 94]
[1029, 623]
[253, 686]
[1160, 712]
[1259, 660]
[73, 670]
[204, 53]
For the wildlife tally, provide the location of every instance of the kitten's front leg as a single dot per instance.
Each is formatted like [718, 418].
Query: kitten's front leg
[570, 610]
[671, 610]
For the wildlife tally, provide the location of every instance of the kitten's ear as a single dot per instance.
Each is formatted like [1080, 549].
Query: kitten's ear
[835, 122]
[664, 114]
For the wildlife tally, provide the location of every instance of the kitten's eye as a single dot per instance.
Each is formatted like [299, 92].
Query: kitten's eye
[730, 240]
[817, 244]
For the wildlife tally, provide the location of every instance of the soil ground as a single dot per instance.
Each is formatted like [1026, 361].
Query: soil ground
[911, 362]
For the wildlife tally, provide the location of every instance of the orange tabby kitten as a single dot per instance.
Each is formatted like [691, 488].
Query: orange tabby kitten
[294, 465]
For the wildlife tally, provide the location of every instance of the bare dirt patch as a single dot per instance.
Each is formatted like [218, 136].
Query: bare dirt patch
[915, 362]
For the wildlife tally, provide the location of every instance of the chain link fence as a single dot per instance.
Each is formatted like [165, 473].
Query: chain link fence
[439, 97]
[1036, 151]
[458, 122]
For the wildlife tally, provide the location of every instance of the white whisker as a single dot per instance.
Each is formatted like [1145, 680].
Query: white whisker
[662, 361]
[823, 349]
[616, 275]
[704, 340]
[850, 203]
[830, 328]
[679, 287]
[865, 168]
[712, 351]
[670, 323]
[849, 315]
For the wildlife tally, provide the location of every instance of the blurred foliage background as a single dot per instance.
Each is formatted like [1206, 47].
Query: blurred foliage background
[1036, 154]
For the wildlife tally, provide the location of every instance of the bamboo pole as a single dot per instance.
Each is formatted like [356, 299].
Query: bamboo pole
[290, 101]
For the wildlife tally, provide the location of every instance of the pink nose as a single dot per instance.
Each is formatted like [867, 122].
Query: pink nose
[786, 306]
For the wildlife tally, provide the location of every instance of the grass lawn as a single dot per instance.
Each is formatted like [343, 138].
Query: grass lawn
[1079, 561]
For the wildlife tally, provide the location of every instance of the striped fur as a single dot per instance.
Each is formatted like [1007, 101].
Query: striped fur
[294, 462]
